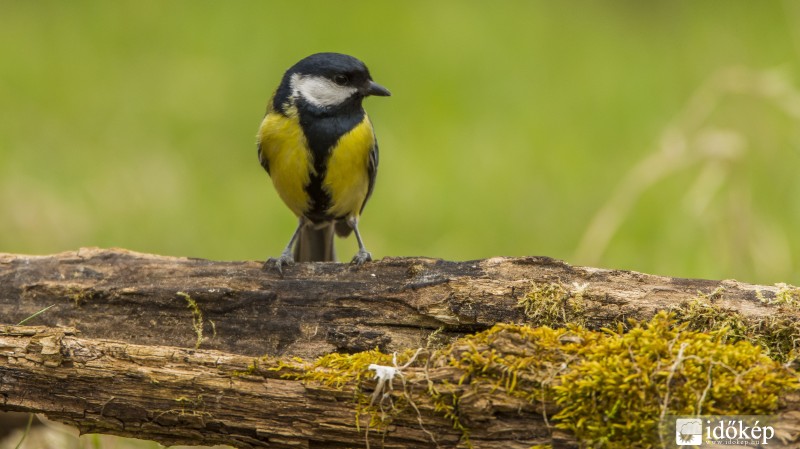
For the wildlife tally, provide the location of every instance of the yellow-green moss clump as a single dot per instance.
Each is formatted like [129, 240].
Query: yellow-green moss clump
[777, 334]
[613, 387]
[553, 304]
[626, 382]
[787, 295]
[609, 388]
[340, 370]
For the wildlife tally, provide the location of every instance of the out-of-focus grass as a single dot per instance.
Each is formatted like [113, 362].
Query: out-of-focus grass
[511, 124]
[49, 434]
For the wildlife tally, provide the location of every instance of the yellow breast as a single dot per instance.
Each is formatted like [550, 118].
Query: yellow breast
[347, 180]
[284, 145]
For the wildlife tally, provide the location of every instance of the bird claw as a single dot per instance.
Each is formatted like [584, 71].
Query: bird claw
[279, 262]
[361, 257]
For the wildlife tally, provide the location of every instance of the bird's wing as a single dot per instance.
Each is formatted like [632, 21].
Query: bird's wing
[263, 160]
[372, 172]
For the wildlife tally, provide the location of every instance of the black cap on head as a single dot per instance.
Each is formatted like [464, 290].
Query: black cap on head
[328, 64]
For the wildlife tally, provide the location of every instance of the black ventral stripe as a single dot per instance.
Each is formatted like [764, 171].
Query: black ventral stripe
[322, 130]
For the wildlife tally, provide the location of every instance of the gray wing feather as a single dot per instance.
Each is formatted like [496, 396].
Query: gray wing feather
[372, 172]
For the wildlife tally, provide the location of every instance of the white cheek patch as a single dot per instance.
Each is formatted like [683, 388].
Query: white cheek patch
[320, 91]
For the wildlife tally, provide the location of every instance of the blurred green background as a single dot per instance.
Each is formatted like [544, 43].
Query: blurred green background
[659, 136]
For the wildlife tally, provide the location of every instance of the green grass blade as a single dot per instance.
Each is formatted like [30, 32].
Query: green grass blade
[27, 428]
[35, 315]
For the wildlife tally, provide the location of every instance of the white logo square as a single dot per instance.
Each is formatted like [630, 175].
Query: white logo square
[688, 432]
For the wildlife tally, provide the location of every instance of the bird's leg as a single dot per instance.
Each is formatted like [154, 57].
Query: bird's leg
[286, 257]
[362, 255]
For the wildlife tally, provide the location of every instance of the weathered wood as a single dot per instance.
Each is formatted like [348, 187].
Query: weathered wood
[318, 308]
[163, 348]
[187, 396]
[210, 397]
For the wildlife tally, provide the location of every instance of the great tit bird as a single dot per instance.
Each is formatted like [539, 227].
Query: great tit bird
[317, 144]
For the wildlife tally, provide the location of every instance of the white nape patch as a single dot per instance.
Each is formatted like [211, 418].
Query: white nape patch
[320, 91]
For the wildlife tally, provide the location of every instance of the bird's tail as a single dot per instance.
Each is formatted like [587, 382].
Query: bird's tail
[315, 244]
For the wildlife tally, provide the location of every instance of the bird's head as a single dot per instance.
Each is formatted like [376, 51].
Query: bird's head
[328, 82]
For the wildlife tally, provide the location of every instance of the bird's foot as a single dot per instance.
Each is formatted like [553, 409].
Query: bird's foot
[278, 263]
[361, 256]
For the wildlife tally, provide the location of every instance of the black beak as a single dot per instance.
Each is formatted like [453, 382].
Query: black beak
[374, 88]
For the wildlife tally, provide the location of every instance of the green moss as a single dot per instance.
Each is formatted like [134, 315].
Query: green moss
[251, 369]
[609, 388]
[337, 370]
[787, 295]
[349, 370]
[445, 398]
[778, 335]
[437, 340]
[553, 304]
[614, 387]
[700, 314]
[521, 360]
[195, 406]
[213, 328]
[77, 293]
[637, 377]
[197, 317]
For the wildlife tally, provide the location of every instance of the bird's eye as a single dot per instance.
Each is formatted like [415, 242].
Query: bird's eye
[340, 79]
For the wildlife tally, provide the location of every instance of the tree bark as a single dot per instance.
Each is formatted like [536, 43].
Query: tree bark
[186, 396]
[182, 350]
[319, 308]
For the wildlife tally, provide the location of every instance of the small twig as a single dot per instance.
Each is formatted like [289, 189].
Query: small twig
[678, 360]
[385, 375]
[705, 391]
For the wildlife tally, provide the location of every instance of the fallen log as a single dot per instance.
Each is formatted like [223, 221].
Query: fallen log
[319, 308]
[510, 387]
[187, 396]
[191, 351]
